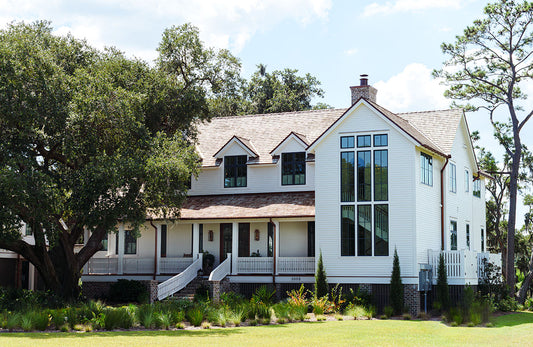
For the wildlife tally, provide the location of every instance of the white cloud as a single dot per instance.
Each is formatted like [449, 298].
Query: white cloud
[350, 51]
[409, 5]
[413, 89]
[135, 25]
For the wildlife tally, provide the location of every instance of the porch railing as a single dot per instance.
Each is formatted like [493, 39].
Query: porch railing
[247, 265]
[180, 281]
[110, 265]
[459, 264]
[103, 265]
[138, 265]
[222, 270]
[493, 258]
[173, 265]
[296, 265]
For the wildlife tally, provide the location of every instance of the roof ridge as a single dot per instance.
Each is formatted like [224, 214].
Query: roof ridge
[280, 113]
[431, 111]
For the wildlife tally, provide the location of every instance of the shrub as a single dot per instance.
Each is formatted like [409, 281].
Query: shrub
[297, 312]
[358, 312]
[507, 304]
[163, 320]
[195, 316]
[145, 316]
[264, 295]
[396, 286]
[13, 299]
[443, 295]
[236, 316]
[297, 297]
[466, 302]
[58, 318]
[180, 325]
[322, 305]
[321, 280]
[406, 316]
[41, 320]
[357, 297]
[118, 318]
[232, 300]
[201, 294]
[282, 311]
[128, 291]
[26, 321]
[388, 311]
[320, 318]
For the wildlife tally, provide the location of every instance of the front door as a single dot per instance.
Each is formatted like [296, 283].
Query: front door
[225, 240]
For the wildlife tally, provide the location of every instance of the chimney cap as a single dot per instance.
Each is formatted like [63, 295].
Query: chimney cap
[364, 80]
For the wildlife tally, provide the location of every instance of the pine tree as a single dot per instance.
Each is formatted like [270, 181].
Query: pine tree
[443, 295]
[321, 280]
[396, 286]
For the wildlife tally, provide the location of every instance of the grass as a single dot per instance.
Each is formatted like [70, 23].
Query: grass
[509, 330]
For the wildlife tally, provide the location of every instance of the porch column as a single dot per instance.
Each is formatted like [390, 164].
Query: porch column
[158, 250]
[195, 240]
[31, 277]
[120, 240]
[86, 236]
[276, 244]
[234, 247]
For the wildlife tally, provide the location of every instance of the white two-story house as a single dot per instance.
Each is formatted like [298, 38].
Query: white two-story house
[353, 184]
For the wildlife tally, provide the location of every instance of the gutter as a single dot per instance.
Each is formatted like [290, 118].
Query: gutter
[442, 225]
[155, 249]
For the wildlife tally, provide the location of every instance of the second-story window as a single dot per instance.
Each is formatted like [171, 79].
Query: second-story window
[235, 171]
[453, 178]
[426, 169]
[293, 168]
[476, 188]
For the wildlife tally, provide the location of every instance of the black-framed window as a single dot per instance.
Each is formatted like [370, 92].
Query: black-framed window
[476, 188]
[347, 142]
[293, 168]
[364, 176]
[381, 176]
[163, 241]
[482, 240]
[270, 240]
[364, 230]
[201, 238]
[453, 178]
[105, 242]
[235, 171]
[453, 235]
[426, 169]
[381, 140]
[347, 230]
[29, 229]
[310, 239]
[130, 242]
[347, 177]
[364, 141]
[244, 239]
[116, 243]
[381, 230]
[468, 236]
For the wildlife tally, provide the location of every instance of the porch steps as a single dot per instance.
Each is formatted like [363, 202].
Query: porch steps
[188, 292]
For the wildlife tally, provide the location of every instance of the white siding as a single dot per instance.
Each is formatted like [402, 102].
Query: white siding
[401, 202]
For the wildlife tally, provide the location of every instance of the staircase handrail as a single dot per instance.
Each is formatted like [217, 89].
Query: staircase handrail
[180, 281]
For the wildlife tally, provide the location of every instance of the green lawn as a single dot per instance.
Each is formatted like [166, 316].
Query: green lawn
[515, 329]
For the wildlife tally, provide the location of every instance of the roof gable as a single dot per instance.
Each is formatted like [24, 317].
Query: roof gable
[245, 144]
[292, 137]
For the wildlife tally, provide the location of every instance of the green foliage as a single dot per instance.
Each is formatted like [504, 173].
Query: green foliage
[359, 312]
[41, 320]
[321, 279]
[264, 295]
[388, 311]
[201, 294]
[13, 299]
[120, 317]
[145, 316]
[195, 316]
[128, 291]
[13, 321]
[443, 294]
[396, 286]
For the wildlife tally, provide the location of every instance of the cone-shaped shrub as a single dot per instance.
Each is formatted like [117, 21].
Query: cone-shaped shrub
[321, 281]
[396, 286]
[443, 295]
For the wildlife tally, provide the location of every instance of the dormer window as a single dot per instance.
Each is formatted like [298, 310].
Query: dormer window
[235, 171]
[293, 168]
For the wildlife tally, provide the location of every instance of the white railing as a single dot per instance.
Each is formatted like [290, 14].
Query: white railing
[296, 265]
[222, 270]
[103, 265]
[460, 265]
[255, 265]
[138, 265]
[180, 281]
[493, 258]
[173, 265]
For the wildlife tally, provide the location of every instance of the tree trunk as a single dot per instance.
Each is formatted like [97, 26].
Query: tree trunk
[522, 293]
[513, 190]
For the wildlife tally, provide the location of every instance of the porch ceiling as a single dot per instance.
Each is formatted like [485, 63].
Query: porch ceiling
[238, 206]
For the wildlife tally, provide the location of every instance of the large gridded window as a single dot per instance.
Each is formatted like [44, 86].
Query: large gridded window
[476, 188]
[426, 169]
[381, 166]
[364, 141]
[453, 235]
[453, 178]
[347, 177]
[293, 168]
[235, 171]
[364, 230]
[381, 140]
[347, 141]
[130, 242]
[381, 230]
[364, 176]
[347, 230]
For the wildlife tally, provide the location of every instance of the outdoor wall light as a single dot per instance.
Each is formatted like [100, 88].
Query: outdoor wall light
[257, 234]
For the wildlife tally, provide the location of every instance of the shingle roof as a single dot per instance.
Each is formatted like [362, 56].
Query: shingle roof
[434, 130]
[266, 205]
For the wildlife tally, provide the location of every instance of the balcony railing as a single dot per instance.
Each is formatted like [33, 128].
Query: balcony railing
[285, 265]
[110, 265]
[296, 265]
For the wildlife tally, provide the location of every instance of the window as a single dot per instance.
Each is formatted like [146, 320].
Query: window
[426, 169]
[364, 141]
[364, 230]
[293, 168]
[453, 178]
[244, 239]
[453, 235]
[130, 242]
[482, 240]
[163, 241]
[364, 176]
[270, 240]
[380, 175]
[201, 238]
[467, 180]
[235, 171]
[476, 188]
[310, 239]
[29, 230]
[347, 177]
[468, 236]
[381, 227]
[380, 140]
[105, 242]
[347, 142]
[347, 230]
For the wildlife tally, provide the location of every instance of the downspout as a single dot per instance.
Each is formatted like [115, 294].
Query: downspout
[273, 252]
[442, 225]
[155, 249]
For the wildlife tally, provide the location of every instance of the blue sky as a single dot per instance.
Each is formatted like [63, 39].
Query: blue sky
[396, 42]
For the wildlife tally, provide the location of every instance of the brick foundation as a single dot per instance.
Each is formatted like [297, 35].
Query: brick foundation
[411, 298]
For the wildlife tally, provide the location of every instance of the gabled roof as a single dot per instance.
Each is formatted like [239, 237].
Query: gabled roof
[299, 137]
[246, 144]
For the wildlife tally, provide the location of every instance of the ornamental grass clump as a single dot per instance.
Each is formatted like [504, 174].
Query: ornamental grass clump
[195, 316]
[145, 316]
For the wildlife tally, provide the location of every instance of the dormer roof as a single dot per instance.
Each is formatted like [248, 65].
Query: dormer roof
[242, 142]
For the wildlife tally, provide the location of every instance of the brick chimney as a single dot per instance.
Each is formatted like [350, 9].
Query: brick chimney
[363, 90]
